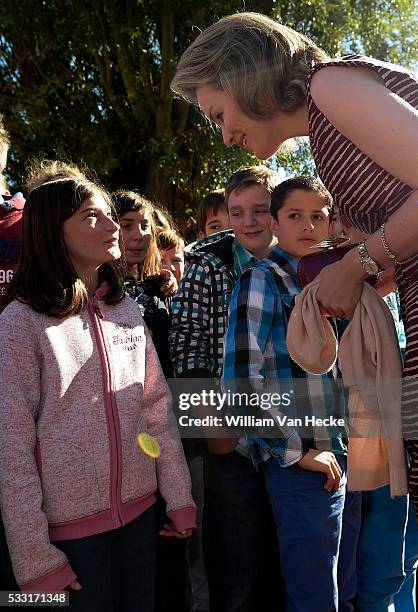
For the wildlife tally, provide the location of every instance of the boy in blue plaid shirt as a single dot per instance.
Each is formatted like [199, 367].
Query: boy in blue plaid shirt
[304, 469]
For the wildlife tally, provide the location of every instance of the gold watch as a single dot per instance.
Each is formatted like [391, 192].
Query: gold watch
[370, 266]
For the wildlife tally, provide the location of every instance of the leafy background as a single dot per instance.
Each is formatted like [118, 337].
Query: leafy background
[88, 80]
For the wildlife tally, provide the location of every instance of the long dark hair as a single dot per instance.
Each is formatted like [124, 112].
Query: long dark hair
[45, 278]
[127, 201]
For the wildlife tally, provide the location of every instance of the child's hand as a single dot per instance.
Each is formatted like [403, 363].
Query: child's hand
[170, 286]
[75, 585]
[323, 461]
[169, 531]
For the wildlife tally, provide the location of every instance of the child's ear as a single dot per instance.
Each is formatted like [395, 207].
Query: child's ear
[274, 226]
[201, 235]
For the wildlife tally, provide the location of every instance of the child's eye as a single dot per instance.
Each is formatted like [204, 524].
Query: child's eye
[144, 226]
[125, 226]
[262, 211]
[91, 214]
[293, 215]
[318, 217]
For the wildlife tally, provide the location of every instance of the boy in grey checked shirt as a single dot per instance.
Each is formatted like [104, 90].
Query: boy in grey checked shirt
[238, 527]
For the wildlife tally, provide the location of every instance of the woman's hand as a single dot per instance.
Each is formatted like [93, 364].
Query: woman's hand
[323, 461]
[170, 286]
[170, 531]
[340, 287]
[386, 283]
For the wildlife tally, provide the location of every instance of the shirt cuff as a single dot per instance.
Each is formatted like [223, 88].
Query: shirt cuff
[184, 518]
[57, 580]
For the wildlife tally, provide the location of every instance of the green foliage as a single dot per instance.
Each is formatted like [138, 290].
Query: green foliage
[89, 80]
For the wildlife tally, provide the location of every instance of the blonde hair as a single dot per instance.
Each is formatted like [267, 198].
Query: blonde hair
[248, 176]
[263, 65]
[43, 171]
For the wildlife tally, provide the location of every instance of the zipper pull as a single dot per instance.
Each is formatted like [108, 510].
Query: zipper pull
[97, 311]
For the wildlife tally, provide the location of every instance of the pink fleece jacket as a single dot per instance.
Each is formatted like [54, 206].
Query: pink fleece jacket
[75, 392]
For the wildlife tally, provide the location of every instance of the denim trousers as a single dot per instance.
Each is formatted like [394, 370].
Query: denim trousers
[387, 554]
[347, 556]
[309, 527]
[239, 543]
[116, 569]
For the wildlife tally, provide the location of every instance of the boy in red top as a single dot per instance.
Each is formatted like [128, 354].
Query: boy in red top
[10, 221]
[10, 233]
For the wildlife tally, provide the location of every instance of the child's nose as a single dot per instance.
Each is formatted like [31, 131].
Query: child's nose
[138, 234]
[112, 225]
[250, 220]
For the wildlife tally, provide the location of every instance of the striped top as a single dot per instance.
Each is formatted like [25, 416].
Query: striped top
[365, 192]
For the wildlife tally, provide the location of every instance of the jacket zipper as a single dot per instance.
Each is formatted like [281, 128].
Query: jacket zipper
[112, 418]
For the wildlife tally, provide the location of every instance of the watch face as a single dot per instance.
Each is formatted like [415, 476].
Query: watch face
[371, 268]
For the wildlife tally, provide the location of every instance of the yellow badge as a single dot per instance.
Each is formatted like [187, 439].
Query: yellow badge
[149, 445]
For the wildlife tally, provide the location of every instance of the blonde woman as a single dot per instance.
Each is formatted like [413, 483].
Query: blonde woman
[263, 83]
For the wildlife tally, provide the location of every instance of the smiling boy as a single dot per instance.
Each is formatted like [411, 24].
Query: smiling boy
[248, 205]
[238, 528]
[304, 470]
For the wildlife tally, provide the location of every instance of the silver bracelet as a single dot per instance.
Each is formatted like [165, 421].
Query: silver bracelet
[389, 253]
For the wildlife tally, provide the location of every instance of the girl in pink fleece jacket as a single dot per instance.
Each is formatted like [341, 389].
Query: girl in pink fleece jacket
[80, 380]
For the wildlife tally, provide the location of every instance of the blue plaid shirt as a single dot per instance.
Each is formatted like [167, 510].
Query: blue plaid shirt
[256, 356]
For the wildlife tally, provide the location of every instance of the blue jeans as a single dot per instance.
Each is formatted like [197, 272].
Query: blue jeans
[382, 551]
[347, 558]
[405, 598]
[239, 543]
[309, 525]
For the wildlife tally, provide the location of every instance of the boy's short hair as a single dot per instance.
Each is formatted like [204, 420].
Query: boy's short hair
[248, 176]
[168, 238]
[305, 183]
[210, 204]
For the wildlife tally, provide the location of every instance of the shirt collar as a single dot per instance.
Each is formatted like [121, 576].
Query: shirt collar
[283, 259]
[196, 246]
[243, 259]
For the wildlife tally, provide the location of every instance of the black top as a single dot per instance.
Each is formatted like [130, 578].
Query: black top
[155, 311]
